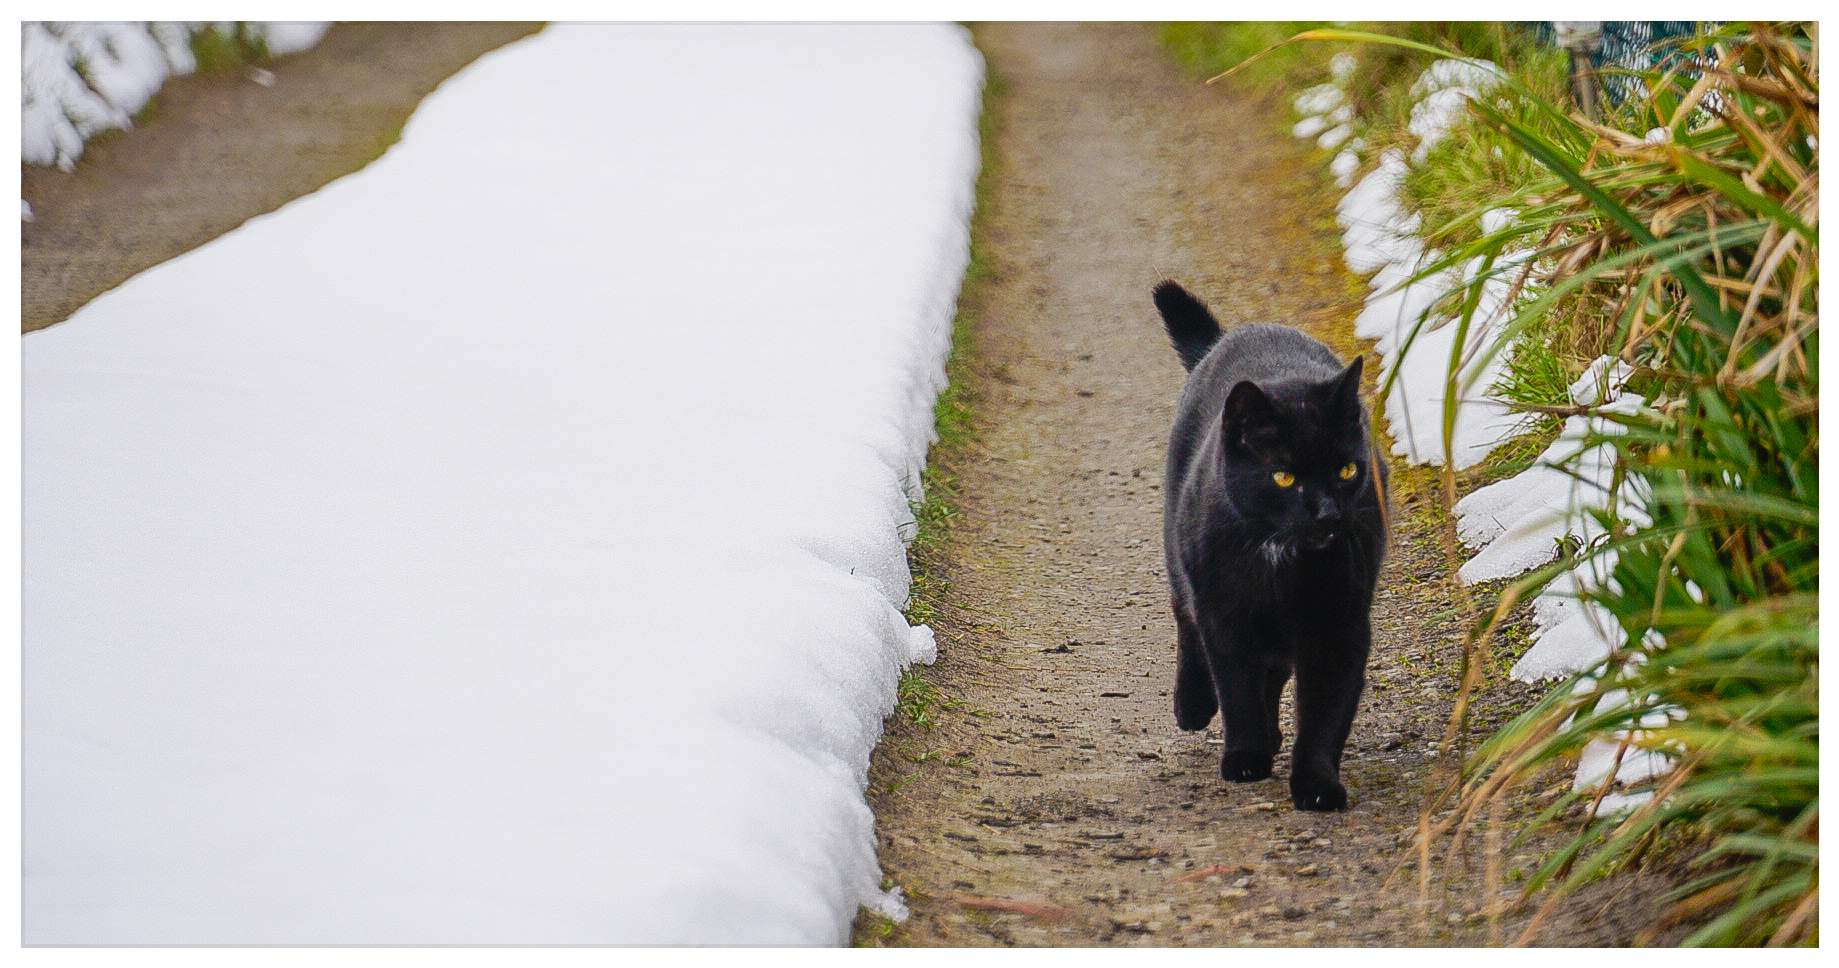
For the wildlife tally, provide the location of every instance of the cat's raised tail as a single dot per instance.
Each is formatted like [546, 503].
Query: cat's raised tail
[1191, 326]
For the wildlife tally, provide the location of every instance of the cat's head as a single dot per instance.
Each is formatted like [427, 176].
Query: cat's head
[1296, 458]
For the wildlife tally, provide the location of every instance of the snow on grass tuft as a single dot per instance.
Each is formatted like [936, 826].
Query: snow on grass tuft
[1524, 521]
[502, 545]
[1443, 92]
[79, 79]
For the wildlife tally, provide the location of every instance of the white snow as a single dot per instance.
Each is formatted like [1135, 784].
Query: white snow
[1443, 92]
[1517, 524]
[283, 37]
[78, 79]
[1341, 66]
[1334, 137]
[504, 544]
[1518, 521]
[1320, 99]
[1377, 230]
[1346, 162]
[1310, 126]
[1380, 236]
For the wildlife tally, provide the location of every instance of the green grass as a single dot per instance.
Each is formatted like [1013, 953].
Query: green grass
[1475, 170]
[1463, 176]
[218, 52]
[919, 702]
[955, 422]
[954, 413]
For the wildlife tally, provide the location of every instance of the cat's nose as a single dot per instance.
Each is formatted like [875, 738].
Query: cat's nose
[1324, 525]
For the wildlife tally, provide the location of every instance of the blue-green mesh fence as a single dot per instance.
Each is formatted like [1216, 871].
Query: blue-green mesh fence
[1620, 46]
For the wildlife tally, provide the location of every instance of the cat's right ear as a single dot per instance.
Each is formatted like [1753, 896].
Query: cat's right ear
[1249, 421]
[1345, 390]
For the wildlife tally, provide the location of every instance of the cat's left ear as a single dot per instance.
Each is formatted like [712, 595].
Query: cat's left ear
[1345, 391]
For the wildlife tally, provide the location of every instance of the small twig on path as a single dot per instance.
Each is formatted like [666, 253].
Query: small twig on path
[1046, 668]
[1211, 871]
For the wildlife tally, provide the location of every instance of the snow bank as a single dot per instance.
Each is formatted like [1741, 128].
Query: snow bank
[1520, 523]
[1443, 92]
[79, 79]
[1380, 236]
[504, 544]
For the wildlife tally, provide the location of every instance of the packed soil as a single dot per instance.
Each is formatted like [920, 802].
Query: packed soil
[216, 149]
[1046, 796]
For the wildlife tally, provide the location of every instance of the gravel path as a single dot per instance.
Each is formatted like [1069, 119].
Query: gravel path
[1056, 803]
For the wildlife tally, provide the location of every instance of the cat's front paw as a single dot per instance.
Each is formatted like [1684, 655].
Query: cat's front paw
[1245, 766]
[1317, 793]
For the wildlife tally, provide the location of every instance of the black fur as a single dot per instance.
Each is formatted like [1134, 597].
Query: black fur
[1273, 544]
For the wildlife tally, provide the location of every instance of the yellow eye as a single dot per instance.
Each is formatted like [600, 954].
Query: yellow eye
[1284, 478]
[1347, 473]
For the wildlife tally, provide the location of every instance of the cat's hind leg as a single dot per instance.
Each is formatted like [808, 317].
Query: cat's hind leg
[1195, 698]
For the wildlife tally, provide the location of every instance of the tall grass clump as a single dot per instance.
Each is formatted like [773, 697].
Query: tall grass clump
[1678, 235]
[1682, 231]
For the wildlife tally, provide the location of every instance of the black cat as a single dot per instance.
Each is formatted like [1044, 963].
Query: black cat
[1274, 527]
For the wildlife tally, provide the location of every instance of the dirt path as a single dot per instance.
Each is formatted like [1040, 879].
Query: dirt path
[1059, 804]
[216, 150]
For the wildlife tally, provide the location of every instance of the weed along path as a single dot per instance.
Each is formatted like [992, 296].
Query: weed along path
[1044, 795]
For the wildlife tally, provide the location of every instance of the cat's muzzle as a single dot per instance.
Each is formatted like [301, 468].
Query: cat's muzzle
[1318, 535]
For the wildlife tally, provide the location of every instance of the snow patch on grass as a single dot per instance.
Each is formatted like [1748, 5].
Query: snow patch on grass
[80, 79]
